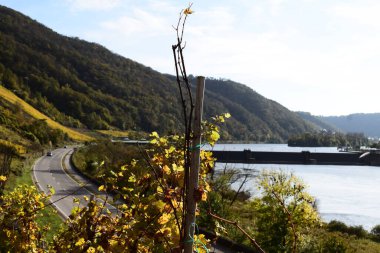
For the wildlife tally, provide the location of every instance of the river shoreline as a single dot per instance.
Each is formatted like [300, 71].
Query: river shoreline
[345, 193]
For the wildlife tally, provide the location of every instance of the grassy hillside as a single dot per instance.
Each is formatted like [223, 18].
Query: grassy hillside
[13, 99]
[82, 84]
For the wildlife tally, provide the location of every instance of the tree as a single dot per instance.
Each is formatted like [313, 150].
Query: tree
[285, 212]
[375, 232]
[7, 152]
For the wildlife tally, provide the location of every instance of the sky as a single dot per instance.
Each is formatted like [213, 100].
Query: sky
[318, 56]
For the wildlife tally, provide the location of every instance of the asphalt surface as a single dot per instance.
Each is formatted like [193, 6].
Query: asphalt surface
[54, 171]
[57, 172]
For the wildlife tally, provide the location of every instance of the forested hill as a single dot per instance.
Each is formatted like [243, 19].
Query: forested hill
[82, 84]
[255, 116]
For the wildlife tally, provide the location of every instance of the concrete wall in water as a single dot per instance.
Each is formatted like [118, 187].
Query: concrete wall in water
[304, 157]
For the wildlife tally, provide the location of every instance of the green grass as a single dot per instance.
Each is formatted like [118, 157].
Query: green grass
[52, 219]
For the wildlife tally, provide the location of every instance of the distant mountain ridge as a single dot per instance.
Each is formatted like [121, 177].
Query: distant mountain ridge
[82, 84]
[367, 123]
[318, 122]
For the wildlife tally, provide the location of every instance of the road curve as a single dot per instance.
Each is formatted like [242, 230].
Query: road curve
[54, 171]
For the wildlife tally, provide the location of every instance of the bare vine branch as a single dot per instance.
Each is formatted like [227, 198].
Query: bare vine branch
[186, 102]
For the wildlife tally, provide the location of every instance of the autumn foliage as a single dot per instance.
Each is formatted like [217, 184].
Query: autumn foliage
[149, 214]
[18, 212]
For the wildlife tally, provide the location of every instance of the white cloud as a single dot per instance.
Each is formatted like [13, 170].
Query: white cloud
[362, 12]
[163, 6]
[81, 5]
[275, 6]
[138, 22]
[304, 68]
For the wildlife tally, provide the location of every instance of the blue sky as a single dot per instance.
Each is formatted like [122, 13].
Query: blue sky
[320, 56]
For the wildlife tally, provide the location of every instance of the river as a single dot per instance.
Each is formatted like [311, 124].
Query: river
[346, 193]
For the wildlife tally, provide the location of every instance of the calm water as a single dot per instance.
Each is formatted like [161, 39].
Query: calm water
[346, 193]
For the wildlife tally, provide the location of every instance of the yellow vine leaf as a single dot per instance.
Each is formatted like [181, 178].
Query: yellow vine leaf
[207, 187]
[166, 169]
[159, 189]
[112, 242]
[80, 242]
[91, 250]
[3, 178]
[188, 11]
[154, 134]
[132, 179]
[200, 242]
[37, 197]
[51, 189]
[101, 188]
[177, 168]
[163, 140]
[164, 218]
[204, 196]
[128, 189]
[214, 135]
[171, 149]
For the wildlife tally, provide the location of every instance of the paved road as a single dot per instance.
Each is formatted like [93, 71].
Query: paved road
[49, 170]
[57, 172]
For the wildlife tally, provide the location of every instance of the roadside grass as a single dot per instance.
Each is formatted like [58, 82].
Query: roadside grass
[50, 217]
[12, 98]
[131, 134]
[114, 133]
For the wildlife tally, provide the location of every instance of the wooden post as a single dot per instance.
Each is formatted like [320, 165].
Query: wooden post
[194, 168]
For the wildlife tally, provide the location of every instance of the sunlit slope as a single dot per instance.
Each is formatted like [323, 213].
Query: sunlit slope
[115, 133]
[12, 98]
